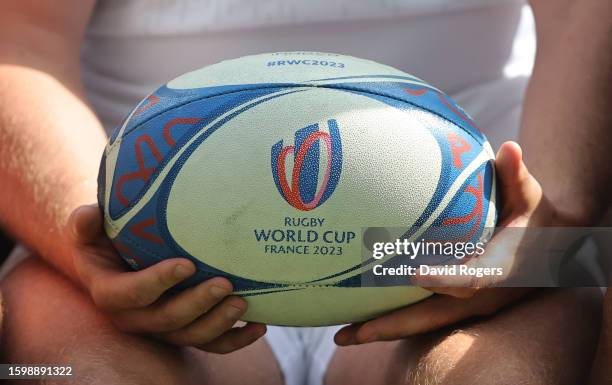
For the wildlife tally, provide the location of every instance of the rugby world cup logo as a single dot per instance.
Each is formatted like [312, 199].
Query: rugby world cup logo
[305, 192]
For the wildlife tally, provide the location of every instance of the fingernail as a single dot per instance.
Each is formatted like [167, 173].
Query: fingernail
[264, 330]
[218, 292]
[341, 339]
[233, 312]
[260, 331]
[181, 272]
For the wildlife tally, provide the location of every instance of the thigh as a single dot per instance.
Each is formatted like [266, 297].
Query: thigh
[602, 369]
[548, 338]
[49, 320]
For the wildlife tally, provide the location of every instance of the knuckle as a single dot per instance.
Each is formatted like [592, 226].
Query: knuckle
[475, 283]
[139, 297]
[97, 298]
[168, 321]
[203, 301]
[468, 292]
[164, 279]
[98, 295]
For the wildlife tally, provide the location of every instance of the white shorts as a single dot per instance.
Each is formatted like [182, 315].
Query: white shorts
[303, 354]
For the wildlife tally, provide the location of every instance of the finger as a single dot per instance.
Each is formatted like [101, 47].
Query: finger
[428, 315]
[236, 338]
[458, 284]
[86, 224]
[433, 314]
[508, 163]
[495, 266]
[441, 280]
[521, 194]
[485, 271]
[347, 335]
[457, 292]
[209, 326]
[176, 311]
[520, 191]
[128, 290]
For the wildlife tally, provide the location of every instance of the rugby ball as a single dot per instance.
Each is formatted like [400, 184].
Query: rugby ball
[267, 169]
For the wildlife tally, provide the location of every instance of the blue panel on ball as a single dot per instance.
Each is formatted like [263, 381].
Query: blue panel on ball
[148, 146]
[145, 241]
[170, 118]
[429, 99]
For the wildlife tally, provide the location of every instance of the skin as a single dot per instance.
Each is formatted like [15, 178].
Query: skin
[603, 362]
[602, 375]
[578, 156]
[581, 114]
[58, 149]
[64, 131]
[567, 108]
[87, 339]
[533, 341]
[103, 353]
[463, 297]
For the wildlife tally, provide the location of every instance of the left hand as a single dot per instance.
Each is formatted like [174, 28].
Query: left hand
[461, 297]
[203, 316]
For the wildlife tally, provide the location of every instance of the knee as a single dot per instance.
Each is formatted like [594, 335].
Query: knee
[50, 320]
[608, 304]
[532, 342]
[32, 277]
[585, 299]
[578, 312]
[607, 315]
[470, 357]
[44, 313]
[37, 298]
[437, 363]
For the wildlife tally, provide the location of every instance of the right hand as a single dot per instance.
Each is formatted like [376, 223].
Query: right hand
[202, 316]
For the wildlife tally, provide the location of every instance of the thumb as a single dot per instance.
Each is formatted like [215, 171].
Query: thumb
[520, 192]
[85, 224]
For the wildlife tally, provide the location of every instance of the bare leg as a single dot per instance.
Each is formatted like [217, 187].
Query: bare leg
[49, 320]
[549, 338]
[602, 370]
